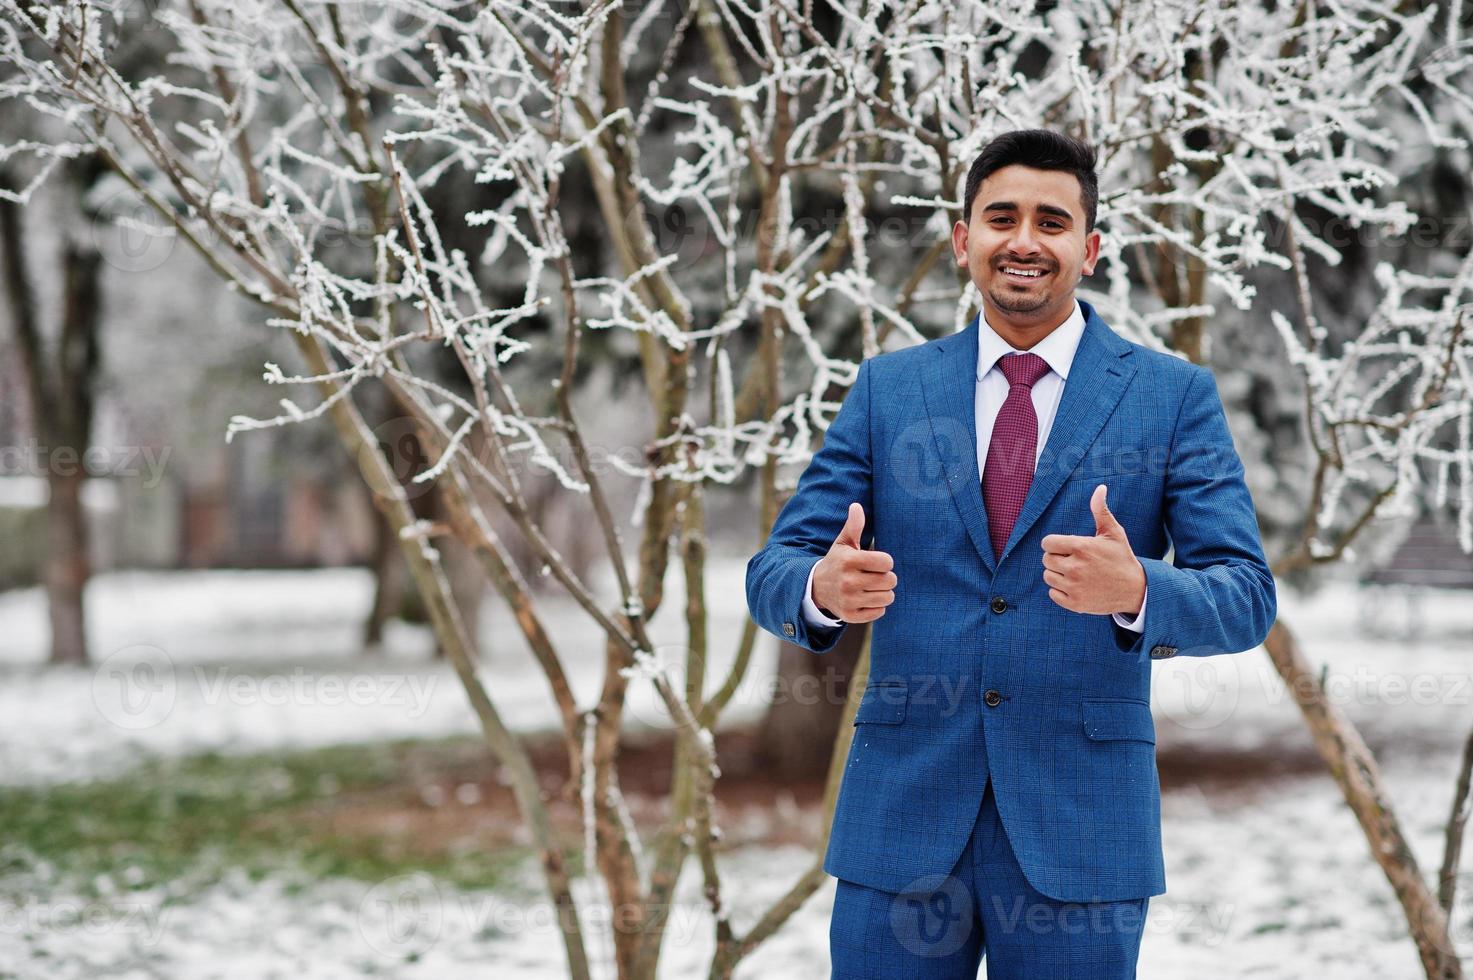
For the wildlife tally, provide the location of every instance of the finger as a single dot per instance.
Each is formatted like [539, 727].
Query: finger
[1056, 580]
[1060, 598]
[865, 615]
[872, 602]
[1105, 522]
[877, 581]
[1055, 562]
[855, 584]
[853, 526]
[1064, 544]
[870, 561]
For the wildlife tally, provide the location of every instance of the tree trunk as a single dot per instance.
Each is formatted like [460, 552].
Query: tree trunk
[388, 581]
[67, 565]
[68, 562]
[1359, 778]
[797, 737]
[467, 586]
[61, 393]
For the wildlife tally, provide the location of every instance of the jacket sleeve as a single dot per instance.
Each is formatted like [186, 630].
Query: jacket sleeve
[839, 474]
[1217, 594]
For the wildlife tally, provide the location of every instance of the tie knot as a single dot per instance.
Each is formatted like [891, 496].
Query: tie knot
[1023, 369]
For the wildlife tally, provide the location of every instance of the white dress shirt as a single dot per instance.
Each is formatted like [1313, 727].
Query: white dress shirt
[1057, 349]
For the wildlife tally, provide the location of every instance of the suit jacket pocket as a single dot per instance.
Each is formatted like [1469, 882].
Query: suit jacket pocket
[1119, 719]
[883, 703]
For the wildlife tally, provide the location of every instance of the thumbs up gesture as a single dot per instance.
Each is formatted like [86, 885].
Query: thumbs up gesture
[1098, 574]
[852, 584]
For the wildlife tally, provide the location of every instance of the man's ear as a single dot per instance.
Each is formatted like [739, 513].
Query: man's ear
[1091, 252]
[959, 243]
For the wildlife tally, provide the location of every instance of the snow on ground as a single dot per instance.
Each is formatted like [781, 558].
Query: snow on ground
[244, 661]
[1393, 683]
[1278, 887]
[250, 661]
[1271, 884]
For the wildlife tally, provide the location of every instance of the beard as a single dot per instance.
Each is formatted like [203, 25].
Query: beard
[1018, 303]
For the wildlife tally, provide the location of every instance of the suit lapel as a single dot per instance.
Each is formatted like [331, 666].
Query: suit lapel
[952, 405]
[1097, 379]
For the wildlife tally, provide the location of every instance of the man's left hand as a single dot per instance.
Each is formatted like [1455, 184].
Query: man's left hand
[1098, 574]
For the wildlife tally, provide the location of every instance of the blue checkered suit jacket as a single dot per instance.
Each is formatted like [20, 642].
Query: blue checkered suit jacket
[974, 670]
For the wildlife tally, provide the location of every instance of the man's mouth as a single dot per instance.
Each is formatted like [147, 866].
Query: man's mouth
[1023, 273]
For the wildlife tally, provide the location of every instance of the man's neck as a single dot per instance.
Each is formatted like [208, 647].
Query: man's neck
[1028, 334]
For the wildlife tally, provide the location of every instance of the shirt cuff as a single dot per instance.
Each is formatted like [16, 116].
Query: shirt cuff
[813, 617]
[1136, 624]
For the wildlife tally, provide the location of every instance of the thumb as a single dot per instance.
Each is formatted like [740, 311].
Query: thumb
[853, 527]
[1105, 522]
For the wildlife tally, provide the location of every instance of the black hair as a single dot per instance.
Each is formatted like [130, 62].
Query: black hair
[1043, 149]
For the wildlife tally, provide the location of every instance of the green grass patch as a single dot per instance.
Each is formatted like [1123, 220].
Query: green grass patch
[186, 822]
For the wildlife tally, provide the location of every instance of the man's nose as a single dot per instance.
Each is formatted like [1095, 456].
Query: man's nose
[1023, 242]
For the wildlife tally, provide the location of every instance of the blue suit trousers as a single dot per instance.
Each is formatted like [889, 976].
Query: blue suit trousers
[944, 925]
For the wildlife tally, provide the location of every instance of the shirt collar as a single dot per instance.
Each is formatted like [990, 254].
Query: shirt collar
[1057, 349]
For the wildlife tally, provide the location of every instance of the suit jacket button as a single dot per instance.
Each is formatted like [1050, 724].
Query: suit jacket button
[992, 699]
[1161, 652]
[789, 629]
[999, 605]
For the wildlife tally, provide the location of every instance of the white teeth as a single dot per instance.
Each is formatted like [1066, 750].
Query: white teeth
[1030, 273]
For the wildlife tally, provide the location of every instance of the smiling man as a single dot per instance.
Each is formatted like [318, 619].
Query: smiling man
[999, 504]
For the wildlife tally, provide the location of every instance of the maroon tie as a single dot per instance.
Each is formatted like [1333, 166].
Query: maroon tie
[1008, 471]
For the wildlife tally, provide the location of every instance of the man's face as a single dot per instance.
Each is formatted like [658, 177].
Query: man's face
[1026, 249]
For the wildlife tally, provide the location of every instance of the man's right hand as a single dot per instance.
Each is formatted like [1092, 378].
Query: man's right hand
[852, 584]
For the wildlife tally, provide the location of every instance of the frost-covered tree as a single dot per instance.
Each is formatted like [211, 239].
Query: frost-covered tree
[721, 167]
[59, 368]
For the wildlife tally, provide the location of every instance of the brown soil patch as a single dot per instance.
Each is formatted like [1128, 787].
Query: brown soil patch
[456, 800]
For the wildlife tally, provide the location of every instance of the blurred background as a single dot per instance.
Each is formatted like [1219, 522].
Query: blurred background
[232, 744]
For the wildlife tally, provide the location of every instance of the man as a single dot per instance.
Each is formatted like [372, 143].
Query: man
[998, 504]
